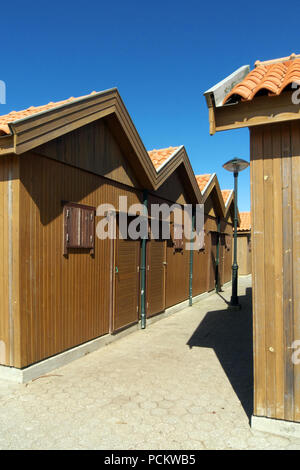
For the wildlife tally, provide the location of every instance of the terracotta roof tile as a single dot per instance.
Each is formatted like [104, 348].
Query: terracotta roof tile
[160, 156]
[202, 180]
[267, 78]
[245, 224]
[226, 193]
[15, 115]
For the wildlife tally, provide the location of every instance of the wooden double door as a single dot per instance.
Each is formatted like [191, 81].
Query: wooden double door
[126, 275]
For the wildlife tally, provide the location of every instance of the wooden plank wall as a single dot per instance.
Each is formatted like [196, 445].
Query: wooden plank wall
[211, 228]
[9, 256]
[275, 196]
[200, 271]
[177, 276]
[173, 189]
[244, 254]
[4, 265]
[64, 301]
[127, 283]
[95, 140]
[177, 268]
[227, 271]
[226, 259]
[156, 276]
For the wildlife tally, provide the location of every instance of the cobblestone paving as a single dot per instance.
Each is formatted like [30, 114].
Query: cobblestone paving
[183, 383]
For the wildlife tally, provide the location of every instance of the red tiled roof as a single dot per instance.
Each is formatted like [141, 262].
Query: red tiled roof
[245, 224]
[270, 77]
[15, 115]
[202, 180]
[226, 193]
[160, 156]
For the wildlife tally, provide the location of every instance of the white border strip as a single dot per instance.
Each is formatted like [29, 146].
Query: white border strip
[168, 159]
[208, 183]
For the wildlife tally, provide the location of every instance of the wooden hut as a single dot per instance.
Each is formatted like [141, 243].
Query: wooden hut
[180, 186]
[266, 100]
[60, 285]
[206, 261]
[244, 244]
[226, 233]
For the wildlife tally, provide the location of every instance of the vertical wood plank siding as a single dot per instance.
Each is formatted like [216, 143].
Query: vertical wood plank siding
[127, 259]
[200, 271]
[155, 275]
[177, 267]
[4, 264]
[226, 249]
[95, 140]
[64, 301]
[227, 271]
[53, 302]
[9, 256]
[275, 196]
[211, 228]
[244, 253]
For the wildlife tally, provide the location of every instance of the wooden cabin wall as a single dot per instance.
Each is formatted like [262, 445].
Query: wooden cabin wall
[95, 140]
[64, 301]
[225, 252]
[211, 229]
[156, 269]
[173, 189]
[178, 262]
[227, 272]
[275, 199]
[244, 253]
[201, 261]
[177, 276]
[9, 251]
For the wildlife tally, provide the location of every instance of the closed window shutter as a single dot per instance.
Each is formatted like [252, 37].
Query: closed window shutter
[79, 227]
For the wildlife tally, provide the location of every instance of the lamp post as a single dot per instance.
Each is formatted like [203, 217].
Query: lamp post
[235, 166]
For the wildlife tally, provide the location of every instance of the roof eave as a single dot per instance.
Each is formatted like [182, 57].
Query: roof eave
[7, 144]
[215, 95]
[37, 129]
[261, 110]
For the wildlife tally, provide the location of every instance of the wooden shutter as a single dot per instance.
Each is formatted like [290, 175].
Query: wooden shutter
[79, 227]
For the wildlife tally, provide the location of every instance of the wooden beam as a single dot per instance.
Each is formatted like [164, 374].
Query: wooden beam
[259, 111]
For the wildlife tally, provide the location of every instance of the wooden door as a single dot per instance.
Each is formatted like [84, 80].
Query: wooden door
[212, 261]
[227, 258]
[126, 298]
[156, 273]
[221, 268]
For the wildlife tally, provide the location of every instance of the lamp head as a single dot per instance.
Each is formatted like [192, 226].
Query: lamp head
[236, 165]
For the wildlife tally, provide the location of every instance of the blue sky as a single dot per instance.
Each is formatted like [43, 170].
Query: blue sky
[162, 56]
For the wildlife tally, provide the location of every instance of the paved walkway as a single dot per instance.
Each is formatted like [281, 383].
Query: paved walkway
[183, 383]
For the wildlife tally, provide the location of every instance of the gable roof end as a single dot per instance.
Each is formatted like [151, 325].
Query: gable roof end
[167, 160]
[35, 126]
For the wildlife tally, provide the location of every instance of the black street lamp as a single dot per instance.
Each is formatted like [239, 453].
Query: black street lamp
[235, 166]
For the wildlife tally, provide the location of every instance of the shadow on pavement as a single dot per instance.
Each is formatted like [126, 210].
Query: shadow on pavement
[229, 333]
